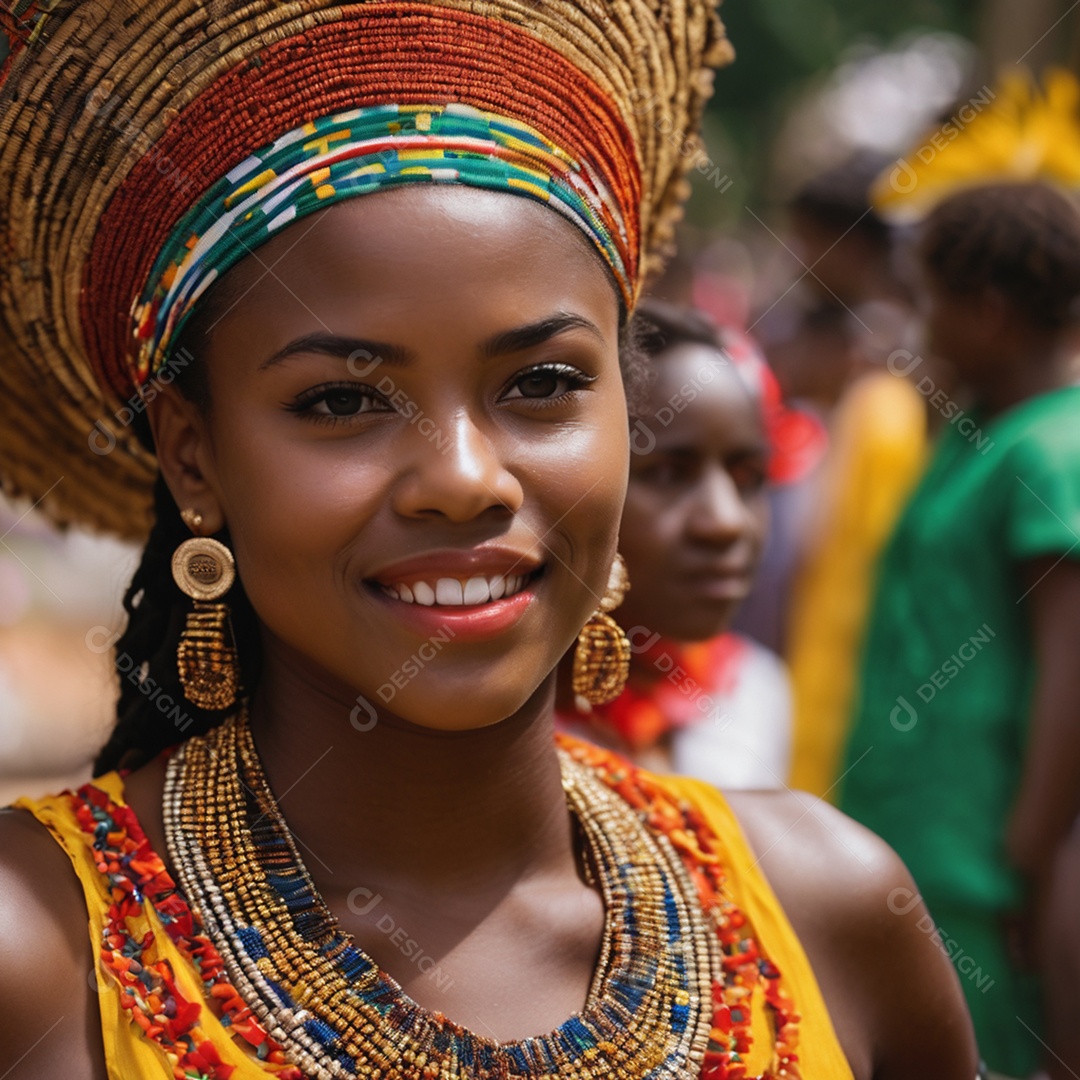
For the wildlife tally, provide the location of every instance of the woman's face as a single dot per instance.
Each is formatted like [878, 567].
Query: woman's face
[695, 517]
[972, 336]
[954, 328]
[418, 441]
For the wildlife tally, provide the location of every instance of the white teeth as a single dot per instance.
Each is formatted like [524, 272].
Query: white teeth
[451, 592]
[448, 590]
[423, 593]
[476, 591]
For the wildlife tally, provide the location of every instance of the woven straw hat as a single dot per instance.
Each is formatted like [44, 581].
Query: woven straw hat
[115, 115]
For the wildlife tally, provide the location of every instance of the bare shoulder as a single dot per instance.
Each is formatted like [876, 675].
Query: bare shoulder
[834, 863]
[48, 1008]
[867, 935]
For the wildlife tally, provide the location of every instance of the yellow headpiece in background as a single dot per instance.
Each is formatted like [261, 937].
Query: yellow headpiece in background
[1018, 132]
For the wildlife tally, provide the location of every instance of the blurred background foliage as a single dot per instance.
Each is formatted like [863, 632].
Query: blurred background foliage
[794, 53]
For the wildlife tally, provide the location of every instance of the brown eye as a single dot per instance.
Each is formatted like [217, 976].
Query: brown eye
[538, 384]
[343, 402]
[665, 473]
[548, 382]
[749, 476]
[339, 402]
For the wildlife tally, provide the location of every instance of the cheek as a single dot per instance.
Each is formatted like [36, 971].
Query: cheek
[581, 477]
[758, 514]
[937, 326]
[651, 525]
[294, 507]
[950, 326]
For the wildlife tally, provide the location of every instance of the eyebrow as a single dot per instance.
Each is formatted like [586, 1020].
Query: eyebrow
[508, 341]
[527, 337]
[345, 347]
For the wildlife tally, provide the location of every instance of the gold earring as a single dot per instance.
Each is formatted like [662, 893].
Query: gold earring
[204, 570]
[602, 656]
[192, 519]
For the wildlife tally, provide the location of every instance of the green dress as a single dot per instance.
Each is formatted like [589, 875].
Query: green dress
[939, 732]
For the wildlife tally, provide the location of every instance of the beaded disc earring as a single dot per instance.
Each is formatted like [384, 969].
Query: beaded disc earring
[602, 656]
[204, 570]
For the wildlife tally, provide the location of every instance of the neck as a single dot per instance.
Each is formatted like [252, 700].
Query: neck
[1041, 371]
[404, 806]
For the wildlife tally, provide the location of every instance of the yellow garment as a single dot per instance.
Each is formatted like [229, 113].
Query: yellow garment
[130, 1056]
[877, 451]
[820, 1055]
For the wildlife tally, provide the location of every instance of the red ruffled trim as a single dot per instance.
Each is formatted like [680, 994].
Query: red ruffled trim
[136, 876]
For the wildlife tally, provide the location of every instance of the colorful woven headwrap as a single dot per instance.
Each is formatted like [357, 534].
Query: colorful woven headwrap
[146, 147]
[349, 154]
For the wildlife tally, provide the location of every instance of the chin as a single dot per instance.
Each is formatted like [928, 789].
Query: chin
[451, 708]
[455, 725]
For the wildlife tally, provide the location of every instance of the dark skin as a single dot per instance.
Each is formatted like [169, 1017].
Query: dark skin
[1003, 360]
[694, 522]
[478, 859]
[1059, 956]
[993, 350]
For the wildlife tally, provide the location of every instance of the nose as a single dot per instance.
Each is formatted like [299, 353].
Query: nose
[454, 470]
[718, 514]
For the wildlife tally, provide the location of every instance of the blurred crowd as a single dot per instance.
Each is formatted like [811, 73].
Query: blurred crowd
[852, 537]
[907, 648]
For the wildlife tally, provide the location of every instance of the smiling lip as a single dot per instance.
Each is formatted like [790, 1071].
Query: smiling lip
[458, 563]
[427, 593]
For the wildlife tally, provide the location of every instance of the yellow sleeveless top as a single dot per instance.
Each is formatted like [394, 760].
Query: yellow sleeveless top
[132, 1049]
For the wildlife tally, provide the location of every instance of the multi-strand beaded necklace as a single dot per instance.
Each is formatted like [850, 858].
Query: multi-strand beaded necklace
[672, 991]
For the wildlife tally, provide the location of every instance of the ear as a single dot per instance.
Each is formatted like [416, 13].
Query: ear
[185, 456]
